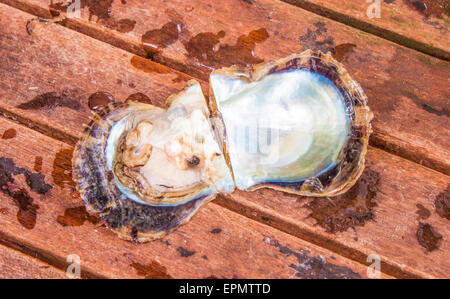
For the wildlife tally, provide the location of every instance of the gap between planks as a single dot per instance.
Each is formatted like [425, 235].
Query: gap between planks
[38, 127]
[302, 4]
[14, 264]
[110, 37]
[246, 209]
[41, 243]
[371, 28]
[58, 262]
[43, 255]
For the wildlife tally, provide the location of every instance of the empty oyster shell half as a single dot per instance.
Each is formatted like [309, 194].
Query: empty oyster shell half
[299, 124]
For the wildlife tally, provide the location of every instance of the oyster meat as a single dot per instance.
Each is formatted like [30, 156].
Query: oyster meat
[299, 124]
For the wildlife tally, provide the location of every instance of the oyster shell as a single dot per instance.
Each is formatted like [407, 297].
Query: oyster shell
[299, 124]
[146, 170]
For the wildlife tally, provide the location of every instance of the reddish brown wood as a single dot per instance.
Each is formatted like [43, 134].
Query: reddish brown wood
[58, 76]
[382, 215]
[55, 71]
[421, 25]
[217, 242]
[14, 264]
[408, 91]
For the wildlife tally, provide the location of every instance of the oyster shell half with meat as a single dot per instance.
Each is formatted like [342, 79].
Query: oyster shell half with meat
[299, 125]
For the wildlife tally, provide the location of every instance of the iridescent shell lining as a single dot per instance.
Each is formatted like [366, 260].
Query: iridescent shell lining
[343, 175]
[141, 219]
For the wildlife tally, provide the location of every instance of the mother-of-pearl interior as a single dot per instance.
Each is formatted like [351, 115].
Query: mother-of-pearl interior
[184, 160]
[286, 127]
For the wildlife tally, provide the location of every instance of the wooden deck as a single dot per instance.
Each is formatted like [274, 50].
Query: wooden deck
[399, 209]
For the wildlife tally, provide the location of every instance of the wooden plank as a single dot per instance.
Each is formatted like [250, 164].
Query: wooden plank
[73, 72]
[395, 204]
[420, 25]
[71, 124]
[46, 217]
[16, 265]
[408, 91]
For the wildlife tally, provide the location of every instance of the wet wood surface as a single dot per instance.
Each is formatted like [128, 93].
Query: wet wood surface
[408, 91]
[421, 25]
[382, 214]
[47, 216]
[397, 211]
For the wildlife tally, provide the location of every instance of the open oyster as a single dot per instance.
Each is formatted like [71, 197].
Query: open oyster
[147, 170]
[299, 124]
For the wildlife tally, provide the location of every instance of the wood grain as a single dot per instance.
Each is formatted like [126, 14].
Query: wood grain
[421, 25]
[16, 265]
[395, 189]
[408, 91]
[95, 78]
[217, 242]
[58, 75]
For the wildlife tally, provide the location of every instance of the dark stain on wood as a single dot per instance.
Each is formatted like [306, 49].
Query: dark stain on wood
[251, 2]
[422, 212]
[56, 8]
[36, 181]
[206, 48]
[38, 164]
[51, 100]
[442, 111]
[154, 270]
[308, 267]
[352, 209]
[317, 38]
[157, 39]
[442, 203]
[428, 237]
[99, 8]
[148, 66]
[341, 51]
[430, 8]
[141, 98]
[76, 217]
[27, 213]
[27, 210]
[122, 25]
[408, 87]
[216, 231]
[9, 134]
[62, 169]
[184, 252]
[99, 99]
